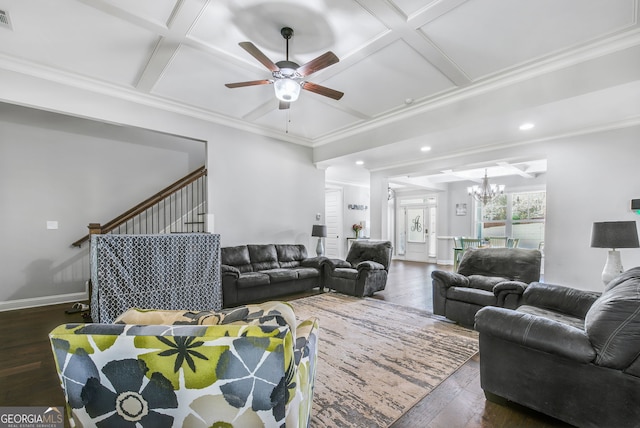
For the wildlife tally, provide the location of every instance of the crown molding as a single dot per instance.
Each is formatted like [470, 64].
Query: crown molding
[70, 79]
[516, 74]
[612, 126]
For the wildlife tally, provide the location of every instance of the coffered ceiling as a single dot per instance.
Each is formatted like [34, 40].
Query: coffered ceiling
[456, 75]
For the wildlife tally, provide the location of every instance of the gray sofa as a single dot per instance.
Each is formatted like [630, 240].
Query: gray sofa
[363, 272]
[254, 273]
[485, 277]
[570, 354]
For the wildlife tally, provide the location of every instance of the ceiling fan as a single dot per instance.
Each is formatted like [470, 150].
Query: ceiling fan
[288, 76]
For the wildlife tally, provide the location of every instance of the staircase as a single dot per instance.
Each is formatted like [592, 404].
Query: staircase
[178, 208]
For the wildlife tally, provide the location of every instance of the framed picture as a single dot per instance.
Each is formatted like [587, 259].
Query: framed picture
[461, 209]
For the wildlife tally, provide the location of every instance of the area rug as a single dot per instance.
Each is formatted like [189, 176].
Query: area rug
[377, 359]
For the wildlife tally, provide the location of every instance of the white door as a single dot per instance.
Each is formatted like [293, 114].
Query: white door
[333, 215]
[417, 247]
[415, 228]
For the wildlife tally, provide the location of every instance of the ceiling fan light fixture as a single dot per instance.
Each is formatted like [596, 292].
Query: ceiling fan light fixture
[287, 89]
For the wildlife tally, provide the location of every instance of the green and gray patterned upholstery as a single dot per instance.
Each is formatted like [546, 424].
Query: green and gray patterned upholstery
[242, 367]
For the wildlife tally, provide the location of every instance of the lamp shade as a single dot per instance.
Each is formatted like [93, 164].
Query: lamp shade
[319, 230]
[614, 234]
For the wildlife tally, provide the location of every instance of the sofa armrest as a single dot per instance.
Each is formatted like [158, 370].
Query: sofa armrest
[369, 265]
[229, 270]
[313, 262]
[306, 360]
[450, 279]
[535, 332]
[306, 335]
[336, 263]
[509, 293]
[559, 298]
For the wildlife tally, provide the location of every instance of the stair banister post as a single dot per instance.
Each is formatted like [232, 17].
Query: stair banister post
[95, 229]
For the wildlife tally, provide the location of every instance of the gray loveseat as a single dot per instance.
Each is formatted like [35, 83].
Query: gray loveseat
[253, 273]
[568, 353]
[485, 277]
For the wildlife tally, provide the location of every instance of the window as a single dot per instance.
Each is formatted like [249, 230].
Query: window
[518, 215]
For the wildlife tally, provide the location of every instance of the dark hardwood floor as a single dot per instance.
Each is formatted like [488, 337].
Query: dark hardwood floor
[28, 376]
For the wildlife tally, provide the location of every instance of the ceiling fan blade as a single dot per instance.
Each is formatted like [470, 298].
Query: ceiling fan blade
[249, 83]
[323, 61]
[284, 105]
[322, 90]
[257, 54]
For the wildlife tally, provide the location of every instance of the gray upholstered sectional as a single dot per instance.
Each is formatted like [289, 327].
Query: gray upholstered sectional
[253, 273]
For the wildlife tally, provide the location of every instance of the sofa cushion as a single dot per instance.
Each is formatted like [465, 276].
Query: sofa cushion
[486, 283]
[237, 257]
[275, 313]
[346, 273]
[280, 275]
[252, 279]
[553, 315]
[290, 255]
[559, 298]
[307, 272]
[471, 295]
[613, 322]
[263, 257]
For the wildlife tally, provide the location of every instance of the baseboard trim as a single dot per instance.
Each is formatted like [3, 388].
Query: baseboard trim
[34, 302]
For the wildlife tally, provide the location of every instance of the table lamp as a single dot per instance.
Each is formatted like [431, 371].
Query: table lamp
[319, 230]
[614, 234]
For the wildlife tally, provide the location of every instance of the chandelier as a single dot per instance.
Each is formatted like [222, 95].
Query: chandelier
[485, 192]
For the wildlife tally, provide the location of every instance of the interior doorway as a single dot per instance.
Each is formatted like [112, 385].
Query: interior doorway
[416, 222]
[333, 203]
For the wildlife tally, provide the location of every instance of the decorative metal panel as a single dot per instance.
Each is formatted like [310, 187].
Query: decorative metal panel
[176, 271]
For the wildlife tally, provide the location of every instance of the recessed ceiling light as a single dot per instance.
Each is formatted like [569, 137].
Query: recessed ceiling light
[359, 162]
[425, 149]
[526, 126]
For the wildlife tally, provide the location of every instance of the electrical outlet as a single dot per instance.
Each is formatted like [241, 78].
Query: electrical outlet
[52, 224]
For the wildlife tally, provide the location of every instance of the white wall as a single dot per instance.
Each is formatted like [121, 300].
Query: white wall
[590, 178]
[263, 190]
[51, 172]
[260, 189]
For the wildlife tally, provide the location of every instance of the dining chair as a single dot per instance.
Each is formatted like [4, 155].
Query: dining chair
[471, 243]
[498, 241]
[457, 252]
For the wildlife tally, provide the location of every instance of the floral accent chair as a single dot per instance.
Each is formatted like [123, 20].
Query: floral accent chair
[250, 366]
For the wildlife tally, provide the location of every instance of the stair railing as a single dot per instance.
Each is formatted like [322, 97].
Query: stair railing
[178, 208]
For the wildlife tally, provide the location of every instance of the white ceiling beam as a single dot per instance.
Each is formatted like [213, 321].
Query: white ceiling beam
[516, 170]
[182, 20]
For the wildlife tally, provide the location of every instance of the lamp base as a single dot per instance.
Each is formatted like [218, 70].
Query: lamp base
[320, 248]
[613, 267]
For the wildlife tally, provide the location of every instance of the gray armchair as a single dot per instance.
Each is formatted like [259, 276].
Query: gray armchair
[568, 353]
[363, 272]
[485, 277]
